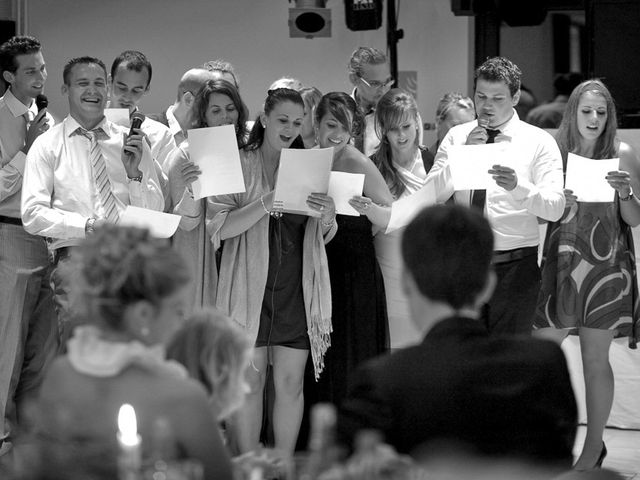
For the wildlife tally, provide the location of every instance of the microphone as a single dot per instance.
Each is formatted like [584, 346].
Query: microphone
[483, 121]
[136, 121]
[41, 102]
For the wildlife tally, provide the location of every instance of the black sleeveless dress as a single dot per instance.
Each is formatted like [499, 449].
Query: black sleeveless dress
[359, 309]
[283, 319]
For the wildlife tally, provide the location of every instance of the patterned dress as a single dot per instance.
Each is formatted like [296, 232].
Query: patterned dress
[589, 274]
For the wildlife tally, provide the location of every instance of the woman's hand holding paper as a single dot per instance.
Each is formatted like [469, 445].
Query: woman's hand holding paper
[322, 203]
[190, 173]
[620, 181]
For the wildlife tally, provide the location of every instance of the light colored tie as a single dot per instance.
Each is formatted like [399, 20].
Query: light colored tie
[99, 168]
[27, 121]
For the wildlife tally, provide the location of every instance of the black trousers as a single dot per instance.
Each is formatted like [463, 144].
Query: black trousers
[512, 307]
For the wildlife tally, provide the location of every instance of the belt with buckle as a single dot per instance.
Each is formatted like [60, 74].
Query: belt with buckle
[10, 220]
[504, 256]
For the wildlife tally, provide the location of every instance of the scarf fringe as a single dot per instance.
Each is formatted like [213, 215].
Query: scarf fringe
[320, 339]
[316, 288]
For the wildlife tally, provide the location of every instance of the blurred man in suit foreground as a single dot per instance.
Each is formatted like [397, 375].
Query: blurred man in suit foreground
[460, 390]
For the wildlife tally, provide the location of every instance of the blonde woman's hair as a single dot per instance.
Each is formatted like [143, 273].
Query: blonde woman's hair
[215, 351]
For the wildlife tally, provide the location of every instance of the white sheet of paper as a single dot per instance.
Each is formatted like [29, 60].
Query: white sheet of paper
[469, 164]
[342, 187]
[119, 116]
[586, 177]
[404, 209]
[160, 224]
[215, 151]
[301, 173]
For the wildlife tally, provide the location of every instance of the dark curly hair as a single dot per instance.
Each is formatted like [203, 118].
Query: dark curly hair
[499, 69]
[20, 45]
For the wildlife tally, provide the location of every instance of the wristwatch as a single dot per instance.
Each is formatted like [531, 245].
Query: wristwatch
[135, 179]
[628, 197]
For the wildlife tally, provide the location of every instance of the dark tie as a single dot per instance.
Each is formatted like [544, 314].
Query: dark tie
[358, 140]
[479, 197]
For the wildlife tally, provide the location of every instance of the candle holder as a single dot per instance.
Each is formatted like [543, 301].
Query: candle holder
[129, 444]
[187, 469]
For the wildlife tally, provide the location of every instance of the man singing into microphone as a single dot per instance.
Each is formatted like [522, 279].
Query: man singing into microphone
[528, 189]
[84, 172]
[27, 318]
[128, 83]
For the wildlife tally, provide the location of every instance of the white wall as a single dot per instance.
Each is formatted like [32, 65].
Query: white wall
[251, 34]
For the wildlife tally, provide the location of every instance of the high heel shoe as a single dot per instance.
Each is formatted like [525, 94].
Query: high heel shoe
[598, 464]
[603, 453]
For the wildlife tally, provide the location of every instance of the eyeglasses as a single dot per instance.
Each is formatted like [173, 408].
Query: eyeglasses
[378, 85]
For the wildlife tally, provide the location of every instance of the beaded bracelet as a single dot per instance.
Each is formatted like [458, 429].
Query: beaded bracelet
[329, 223]
[274, 213]
[264, 207]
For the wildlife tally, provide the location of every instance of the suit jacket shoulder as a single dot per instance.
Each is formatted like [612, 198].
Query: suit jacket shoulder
[459, 383]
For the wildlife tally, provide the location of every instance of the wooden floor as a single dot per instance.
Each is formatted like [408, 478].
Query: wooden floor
[623, 448]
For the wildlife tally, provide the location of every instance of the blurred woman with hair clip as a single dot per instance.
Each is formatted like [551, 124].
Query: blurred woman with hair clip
[217, 103]
[589, 278]
[130, 288]
[215, 351]
[274, 278]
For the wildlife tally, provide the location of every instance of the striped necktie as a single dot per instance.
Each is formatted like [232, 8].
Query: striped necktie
[479, 197]
[99, 169]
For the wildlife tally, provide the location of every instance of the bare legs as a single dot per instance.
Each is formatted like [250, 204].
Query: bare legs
[598, 383]
[247, 421]
[288, 377]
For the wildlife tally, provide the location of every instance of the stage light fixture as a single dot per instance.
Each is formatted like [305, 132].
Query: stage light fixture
[309, 19]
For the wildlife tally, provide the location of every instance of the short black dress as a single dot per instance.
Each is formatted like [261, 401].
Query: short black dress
[283, 319]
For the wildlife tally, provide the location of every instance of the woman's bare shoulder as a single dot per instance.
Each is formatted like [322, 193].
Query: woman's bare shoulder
[626, 150]
[353, 160]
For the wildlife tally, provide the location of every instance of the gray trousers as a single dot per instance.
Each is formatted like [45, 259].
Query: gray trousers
[28, 322]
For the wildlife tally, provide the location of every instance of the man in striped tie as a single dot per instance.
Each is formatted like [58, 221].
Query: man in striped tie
[83, 172]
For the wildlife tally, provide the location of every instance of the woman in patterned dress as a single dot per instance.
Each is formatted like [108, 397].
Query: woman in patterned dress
[589, 282]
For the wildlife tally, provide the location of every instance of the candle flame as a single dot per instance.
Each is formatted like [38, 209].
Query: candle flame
[127, 425]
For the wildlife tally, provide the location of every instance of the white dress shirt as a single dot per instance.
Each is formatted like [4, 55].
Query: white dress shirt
[160, 138]
[179, 135]
[59, 193]
[13, 131]
[538, 193]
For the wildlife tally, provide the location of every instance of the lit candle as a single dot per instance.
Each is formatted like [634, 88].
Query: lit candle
[130, 456]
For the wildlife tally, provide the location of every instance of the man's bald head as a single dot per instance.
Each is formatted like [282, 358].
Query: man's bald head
[193, 80]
